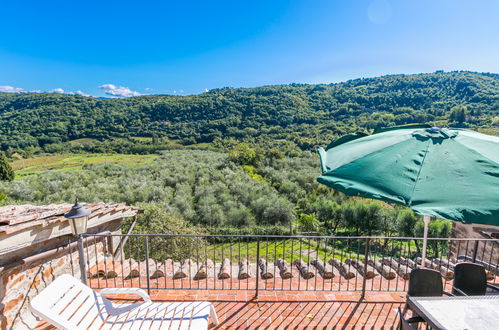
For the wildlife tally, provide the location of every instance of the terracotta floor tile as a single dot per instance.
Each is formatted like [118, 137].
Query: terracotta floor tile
[281, 309]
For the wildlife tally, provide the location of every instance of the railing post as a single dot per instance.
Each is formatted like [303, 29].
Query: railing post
[364, 279]
[146, 242]
[475, 250]
[257, 270]
[81, 258]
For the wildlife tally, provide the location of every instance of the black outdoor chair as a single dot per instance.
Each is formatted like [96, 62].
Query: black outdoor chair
[404, 324]
[470, 279]
[424, 282]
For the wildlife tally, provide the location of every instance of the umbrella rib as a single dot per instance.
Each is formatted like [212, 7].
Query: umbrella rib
[419, 172]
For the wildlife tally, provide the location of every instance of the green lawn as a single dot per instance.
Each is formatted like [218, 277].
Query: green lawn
[289, 250]
[142, 138]
[83, 141]
[41, 164]
[307, 249]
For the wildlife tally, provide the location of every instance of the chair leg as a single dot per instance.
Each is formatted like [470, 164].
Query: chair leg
[213, 314]
[406, 307]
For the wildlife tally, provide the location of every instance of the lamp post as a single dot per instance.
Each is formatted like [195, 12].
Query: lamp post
[78, 217]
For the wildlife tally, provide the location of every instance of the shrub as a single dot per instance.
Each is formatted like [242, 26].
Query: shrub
[6, 172]
[156, 220]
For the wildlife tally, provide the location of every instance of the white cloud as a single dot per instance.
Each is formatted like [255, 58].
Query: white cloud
[81, 93]
[148, 89]
[119, 91]
[61, 91]
[57, 90]
[10, 89]
[206, 90]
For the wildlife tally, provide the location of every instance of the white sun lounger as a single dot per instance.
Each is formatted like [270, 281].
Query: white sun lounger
[68, 304]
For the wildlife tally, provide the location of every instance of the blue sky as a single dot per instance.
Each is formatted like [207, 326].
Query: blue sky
[185, 47]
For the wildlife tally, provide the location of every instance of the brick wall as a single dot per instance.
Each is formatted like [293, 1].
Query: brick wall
[36, 246]
[21, 283]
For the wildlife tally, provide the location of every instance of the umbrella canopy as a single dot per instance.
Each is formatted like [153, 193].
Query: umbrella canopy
[446, 173]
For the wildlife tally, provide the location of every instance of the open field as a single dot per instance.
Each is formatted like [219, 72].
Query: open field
[489, 131]
[142, 138]
[83, 141]
[41, 164]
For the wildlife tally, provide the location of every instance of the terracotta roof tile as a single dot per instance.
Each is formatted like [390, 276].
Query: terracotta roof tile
[16, 217]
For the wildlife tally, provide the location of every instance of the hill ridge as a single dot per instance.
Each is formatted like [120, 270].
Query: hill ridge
[295, 111]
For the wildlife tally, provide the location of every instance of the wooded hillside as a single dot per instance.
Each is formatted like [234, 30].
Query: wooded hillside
[304, 114]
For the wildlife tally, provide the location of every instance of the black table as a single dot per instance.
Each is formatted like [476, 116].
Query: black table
[471, 312]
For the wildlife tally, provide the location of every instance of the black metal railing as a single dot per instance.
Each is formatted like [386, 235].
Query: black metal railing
[249, 262]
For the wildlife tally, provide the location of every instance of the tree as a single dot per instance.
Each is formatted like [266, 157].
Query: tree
[308, 223]
[436, 228]
[364, 216]
[328, 212]
[458, 114]
[406, 222]
[156, 219]
[243, 154]
[6, 172]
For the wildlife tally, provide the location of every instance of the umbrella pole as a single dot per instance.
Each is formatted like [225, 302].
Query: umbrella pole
[426, 220]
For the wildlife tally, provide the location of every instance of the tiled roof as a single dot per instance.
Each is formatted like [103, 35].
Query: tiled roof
[17, 217]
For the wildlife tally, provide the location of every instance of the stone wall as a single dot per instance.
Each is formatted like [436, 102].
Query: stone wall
[36, 246]
[19, 284]
[486, 251]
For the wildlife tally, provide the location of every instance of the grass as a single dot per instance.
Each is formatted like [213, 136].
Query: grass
[181, 248]
[41, 164]
[142, 138]
[84, 141]
[288, 250]
[489, 131]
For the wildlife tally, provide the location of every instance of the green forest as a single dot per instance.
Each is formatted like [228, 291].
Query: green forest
[302, 115]
[231, 160]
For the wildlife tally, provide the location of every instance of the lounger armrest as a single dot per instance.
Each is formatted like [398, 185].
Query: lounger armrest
[139, 292]
[460, 292]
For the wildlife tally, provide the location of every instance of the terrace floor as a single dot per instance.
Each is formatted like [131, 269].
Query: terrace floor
[291, 309]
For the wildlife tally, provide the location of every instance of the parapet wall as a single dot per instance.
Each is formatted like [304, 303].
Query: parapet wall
[36, 246]
[486, 252]
[22, 282]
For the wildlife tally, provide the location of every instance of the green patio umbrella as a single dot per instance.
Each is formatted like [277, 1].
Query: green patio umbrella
[446, 173]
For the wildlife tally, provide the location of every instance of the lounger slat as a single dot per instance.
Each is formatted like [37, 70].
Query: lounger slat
[127, 315]
[133, 318]
[55, 301]
[82, 303]
[68, 301]
[85, 313]
[156, 317]
[75, 311]
[97, 313]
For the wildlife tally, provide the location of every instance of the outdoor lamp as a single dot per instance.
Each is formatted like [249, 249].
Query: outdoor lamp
[78, 217]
